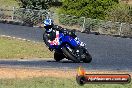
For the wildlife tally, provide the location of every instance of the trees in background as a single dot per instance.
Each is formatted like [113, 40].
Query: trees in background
[87, 8]
[38, 4]
[121, 13]
[96, 9]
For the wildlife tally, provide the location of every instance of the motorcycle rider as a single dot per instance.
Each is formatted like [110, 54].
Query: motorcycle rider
[53, 31]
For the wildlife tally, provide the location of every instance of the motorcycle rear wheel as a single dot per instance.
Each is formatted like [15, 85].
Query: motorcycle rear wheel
[58, 56]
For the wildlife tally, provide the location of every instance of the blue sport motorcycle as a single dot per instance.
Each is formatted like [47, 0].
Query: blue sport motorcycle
[65, 46]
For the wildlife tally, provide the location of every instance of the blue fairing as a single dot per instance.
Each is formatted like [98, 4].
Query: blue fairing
[70, 41]
[65, 39]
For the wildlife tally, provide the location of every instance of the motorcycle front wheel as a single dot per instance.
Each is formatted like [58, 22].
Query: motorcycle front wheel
[69, 55]
[88, 58]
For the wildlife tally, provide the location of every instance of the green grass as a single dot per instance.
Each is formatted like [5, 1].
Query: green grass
[13, 48]
[8, 4]
[50, 82]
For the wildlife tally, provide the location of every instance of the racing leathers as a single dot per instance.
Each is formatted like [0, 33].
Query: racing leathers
[52, 38]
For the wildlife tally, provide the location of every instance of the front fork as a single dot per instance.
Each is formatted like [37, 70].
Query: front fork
[79, 53]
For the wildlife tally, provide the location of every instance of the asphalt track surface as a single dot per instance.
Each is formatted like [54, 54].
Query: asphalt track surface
[109, 53]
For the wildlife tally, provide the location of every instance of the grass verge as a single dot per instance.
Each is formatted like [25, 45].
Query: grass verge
[8, 4]
[52, 82]
[13, 48]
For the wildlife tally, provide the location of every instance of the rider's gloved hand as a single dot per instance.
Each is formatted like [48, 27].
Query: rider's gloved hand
[72, 33]
[66, 32]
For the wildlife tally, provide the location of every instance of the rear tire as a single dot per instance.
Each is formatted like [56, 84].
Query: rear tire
[69, 55]
[58, 56]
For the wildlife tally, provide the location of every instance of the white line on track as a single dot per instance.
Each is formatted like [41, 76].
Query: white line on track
[23, 39]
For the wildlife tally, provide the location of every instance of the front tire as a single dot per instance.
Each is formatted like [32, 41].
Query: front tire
[88, 58]
[69, 55]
